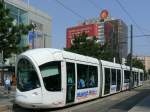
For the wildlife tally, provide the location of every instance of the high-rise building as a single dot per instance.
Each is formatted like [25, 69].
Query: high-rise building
[116, 31]
[106, 29]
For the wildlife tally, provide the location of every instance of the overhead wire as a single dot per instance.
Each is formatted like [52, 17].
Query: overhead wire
[145, 29]
[131, 18]
[95, 5]
[69, 9]
[135, 36]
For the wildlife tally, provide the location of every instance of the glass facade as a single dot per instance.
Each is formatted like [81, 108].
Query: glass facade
[20, 17]
[22, 12]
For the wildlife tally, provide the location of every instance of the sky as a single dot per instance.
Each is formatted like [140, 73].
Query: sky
[135, 12]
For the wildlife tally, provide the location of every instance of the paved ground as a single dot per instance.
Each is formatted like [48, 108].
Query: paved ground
[143, 106]
[6, 100]
[136, 100]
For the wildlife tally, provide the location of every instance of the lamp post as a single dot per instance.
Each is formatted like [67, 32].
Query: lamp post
[131, 52]
[33, 38]
[2, 66]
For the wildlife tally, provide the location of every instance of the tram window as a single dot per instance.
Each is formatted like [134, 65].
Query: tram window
[93, 76]
[126, 76]
[82, 71]
[27, 78]
[51, 73]
[136, 76]
[87, 76]
[133, 75]
[113, 72]
[119, 75]
[141, 76]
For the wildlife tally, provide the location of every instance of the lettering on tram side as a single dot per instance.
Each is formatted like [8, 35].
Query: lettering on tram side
[126, 86]
[92, 92]
[113, 88]
[86, 94]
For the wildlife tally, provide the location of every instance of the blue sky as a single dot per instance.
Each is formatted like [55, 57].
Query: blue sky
[62, 18]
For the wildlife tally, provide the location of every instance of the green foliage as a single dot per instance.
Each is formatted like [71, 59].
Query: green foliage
[85, 45]
[10, 34]
[135, 62]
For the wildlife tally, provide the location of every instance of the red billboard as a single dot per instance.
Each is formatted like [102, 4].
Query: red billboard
[108, 31]
[91, 30]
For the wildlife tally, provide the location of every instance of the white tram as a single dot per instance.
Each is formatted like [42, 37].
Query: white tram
[140, 77]
[51, 78]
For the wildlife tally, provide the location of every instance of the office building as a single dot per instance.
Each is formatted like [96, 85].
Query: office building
[23, 12]
[145, 60]
[106, 29]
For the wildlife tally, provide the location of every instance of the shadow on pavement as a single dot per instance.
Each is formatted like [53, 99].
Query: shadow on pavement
[131, 101]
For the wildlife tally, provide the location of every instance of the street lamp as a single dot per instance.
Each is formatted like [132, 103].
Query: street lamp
[34, 26]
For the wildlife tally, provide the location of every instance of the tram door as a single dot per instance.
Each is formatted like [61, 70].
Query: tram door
[118, 80]
[107, 81]
[70, 68]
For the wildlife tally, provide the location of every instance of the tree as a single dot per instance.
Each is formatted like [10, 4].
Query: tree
[135, 62]
[82, 44]
[10, 33]
[106, 52]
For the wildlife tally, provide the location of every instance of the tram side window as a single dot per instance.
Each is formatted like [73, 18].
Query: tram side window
[119, 76]
[126, 76]
[51, 74]
[87, 76]
[136, 74]
[141, 76]
[93, 76]
[113, 71]
[82, 71]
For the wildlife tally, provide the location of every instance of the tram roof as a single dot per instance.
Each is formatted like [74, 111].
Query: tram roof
[43, 55]
[110, 64]
[125, 67]
[140, 70]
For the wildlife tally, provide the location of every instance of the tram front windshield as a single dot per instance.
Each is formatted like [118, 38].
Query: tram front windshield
[27, 78]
